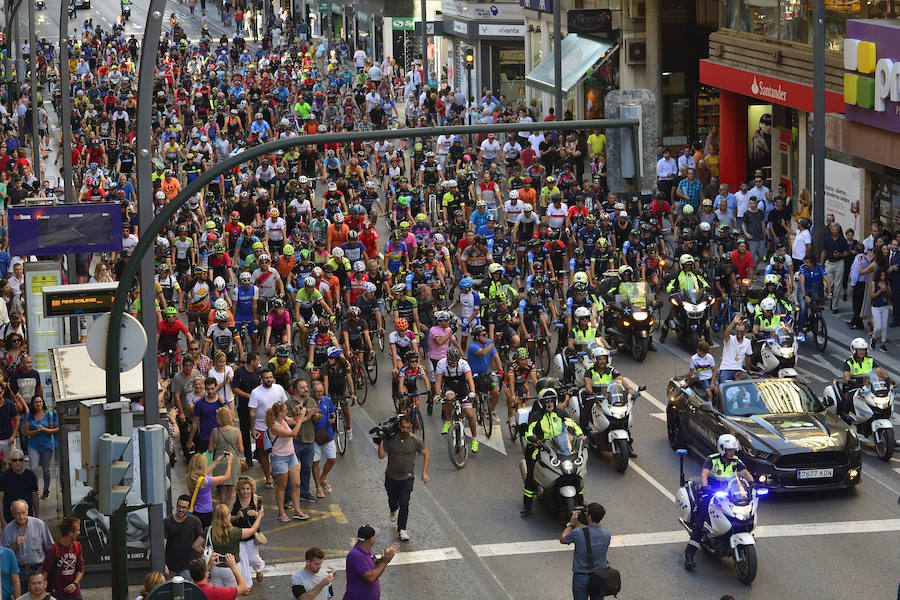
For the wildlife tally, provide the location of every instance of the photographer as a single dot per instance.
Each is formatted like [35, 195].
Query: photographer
[599, 537]
[400, 450]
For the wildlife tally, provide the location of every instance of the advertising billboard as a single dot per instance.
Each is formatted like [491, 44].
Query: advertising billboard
[65, 228]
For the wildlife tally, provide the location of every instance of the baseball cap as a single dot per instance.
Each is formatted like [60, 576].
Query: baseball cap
[366, 532]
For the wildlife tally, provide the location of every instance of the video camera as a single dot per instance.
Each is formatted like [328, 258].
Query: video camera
[385, 430]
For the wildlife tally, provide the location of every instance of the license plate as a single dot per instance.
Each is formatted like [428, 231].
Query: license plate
[815, 473]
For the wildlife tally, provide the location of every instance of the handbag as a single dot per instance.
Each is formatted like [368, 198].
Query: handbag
[604, 582]
[260, 538]
[208, 547]
[244, 466]
[322, 436]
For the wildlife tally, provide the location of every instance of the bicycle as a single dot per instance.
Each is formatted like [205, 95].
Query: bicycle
[340, 425]
[456, 437]
[410, 401]
[540, 351]
[379, 339]
[817, 327]
[516, 429]
[360, 378]
[371, 369]
[170, 367]
[484, 415]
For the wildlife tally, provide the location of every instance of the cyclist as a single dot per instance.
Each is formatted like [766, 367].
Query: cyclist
[725, 279]
[337, 379]
[532, 312]
[244, 299]
[320, 340]
[520, 375]
[483, 358]
[401, 341]
[278, 326]
[198, 297]
[267, 280]
[810, 287]
[470, 300]
[503, 319]
[284, 369]
[309, 304]
[453, 374]
[407, 379]
[222, 337]
[367, 303]
[168, 331]
[171, 291]
[404, 306]
[355, 333]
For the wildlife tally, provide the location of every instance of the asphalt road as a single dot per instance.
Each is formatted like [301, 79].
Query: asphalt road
[468, 540]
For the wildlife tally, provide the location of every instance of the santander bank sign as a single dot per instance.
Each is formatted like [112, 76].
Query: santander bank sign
[761, 89]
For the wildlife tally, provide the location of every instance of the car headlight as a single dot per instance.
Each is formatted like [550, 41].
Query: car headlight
[759, 454]
[742, 512]
[639, 315]
[568, 467]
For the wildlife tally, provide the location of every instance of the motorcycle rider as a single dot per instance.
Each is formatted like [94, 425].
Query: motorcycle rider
[856, 371]
[601, 373]
[765, 323]
[686, 280]
[718, 469]
[580, 338]
[550, 424]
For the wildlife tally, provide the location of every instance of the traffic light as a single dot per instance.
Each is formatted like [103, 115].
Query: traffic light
[116, 472]
[470, 59]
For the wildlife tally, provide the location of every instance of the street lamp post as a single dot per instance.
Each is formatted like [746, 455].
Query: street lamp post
[35, 119]
[557, 56]
[819, 125]
[470, 64]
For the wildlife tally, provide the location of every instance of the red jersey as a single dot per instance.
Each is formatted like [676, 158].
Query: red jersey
[744, 265]
[369, 238]
[61, 564]
[168, 334]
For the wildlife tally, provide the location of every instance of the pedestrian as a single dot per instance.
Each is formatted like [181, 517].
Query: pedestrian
[591, 542]
[752, 228]
[204, 415]
[880, 292]
[152, 580]
[304, 441]
[893, 275]
[833, 254]
[285, 466]
[226, 539]
[246, 507]
[200, 481]
[399, 476]
[18, 483]
[363, 569]
[312, 582]
[64, 562]
[37, 587]
[29, 538]
[200, 576]
[226, 439]
[262, 398]
[42, 427]
[860, 269]
[324, 439]
[9, 417]
[183, 535]
[247, 377]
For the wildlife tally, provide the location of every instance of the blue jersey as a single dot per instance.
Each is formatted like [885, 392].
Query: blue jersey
[243, 303]
[813, 278]
[589, 238]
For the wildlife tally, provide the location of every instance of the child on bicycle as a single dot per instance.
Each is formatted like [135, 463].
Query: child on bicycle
[337, 381]
[407, 378]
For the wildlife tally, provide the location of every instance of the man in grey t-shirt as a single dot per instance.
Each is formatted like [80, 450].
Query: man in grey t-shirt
[599, 537]
[399, 475]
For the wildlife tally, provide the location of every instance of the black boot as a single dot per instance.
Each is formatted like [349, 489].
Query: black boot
[664, 331]
[631, 452]
[689, 563]
[525, 512]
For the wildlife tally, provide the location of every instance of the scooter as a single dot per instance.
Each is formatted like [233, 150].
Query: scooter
[778, 354]
[560, 471]
[728, 522]
[609, 423]
[869, 412]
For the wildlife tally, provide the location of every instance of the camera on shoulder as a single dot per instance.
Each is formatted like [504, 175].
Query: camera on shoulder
[385, 430]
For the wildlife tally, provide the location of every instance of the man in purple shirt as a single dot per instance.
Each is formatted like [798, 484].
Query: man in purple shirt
[363, 570]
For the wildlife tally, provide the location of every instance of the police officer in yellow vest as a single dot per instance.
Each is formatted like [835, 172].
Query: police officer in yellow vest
[686, 280]
[767, 320]
[718, 469]
[547, 427]
[856, 372]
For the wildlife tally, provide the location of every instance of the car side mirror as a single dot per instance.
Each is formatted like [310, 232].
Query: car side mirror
[706, 407]
[827, 401]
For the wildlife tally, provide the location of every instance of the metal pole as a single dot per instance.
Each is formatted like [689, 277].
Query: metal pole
[819, 126]
[424, 45]
[32, 66]
[147, 67]
[557, 57]
[470, 103]
[65, 120]
[148, 237]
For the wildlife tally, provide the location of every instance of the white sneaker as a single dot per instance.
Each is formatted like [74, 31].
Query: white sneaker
[394, 515]
[404, 537]
[349, 434]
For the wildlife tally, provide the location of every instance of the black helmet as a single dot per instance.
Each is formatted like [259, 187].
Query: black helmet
[479, 239]
[410, 355]
[546, 382]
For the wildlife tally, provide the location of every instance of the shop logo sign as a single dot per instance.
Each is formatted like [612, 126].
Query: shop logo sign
[766, 91]
[869, 92]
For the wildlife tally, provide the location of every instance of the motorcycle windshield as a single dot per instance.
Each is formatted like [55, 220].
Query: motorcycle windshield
[636, 294]
[877, 385]
[784, 337]
[692, 296]
[738, 492]
[564, 444]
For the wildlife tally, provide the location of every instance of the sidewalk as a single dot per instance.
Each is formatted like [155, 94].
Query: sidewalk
[840, 335]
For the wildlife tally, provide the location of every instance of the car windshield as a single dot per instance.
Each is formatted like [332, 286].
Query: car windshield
[768, 397]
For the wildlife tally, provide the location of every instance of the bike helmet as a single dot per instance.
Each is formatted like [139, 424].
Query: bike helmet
[582, 313]
[771, 278]
[353, 235]
[539, 281]
[359, 267]
[601, 242]
[779, 258]
[442, 315]
[687, 235]
[704, 227]
[401, 324]
[726, 258]
[466, 283]
[220, 304]
[288, 250]
[338, 218]
[274, 213]
[257, 246]
[334, 352]
[354, 311]
[599, 352]
[370, 288]
[263, 257]
[727, 441]
[452, 355]
[162, 243]
[310, 282]
[625, 269]
[533, 294]
[514, 194]
[410, 355]
[687, 210]
[278, 303]
[522, 353]
[283, 350]
[245, 277]
[398, 288]
[527, 207]
[767, 304]
[221, 315]
[686, 259]
[337, 253]
[219, 283]
[859, 344]
[495, 268]
[478, 330]
[170, 311]
[580, 288]
[199, 269]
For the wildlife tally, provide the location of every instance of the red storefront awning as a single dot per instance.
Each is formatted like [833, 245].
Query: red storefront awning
[767, 88]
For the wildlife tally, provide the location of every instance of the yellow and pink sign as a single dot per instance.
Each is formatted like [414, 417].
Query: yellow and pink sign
[872, 73]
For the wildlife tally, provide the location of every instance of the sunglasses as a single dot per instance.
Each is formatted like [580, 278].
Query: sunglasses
[17, 460]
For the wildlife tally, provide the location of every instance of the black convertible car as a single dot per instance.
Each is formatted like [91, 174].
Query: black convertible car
[787, 439]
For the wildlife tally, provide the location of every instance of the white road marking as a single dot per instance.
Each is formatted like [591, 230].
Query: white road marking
[628, 540]
[661, 416]
[822, 363]
[880, 482]
[646, 395]
[496, 440]
[662, 489]
[896, 470]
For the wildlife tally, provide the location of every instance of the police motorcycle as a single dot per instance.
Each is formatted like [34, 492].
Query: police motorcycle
[628, 319]
[777, 353]
[126, 9]
[728, 520]
[609, 422]
[690, 316]
[570, 364]
[560, 471]
[868, 411]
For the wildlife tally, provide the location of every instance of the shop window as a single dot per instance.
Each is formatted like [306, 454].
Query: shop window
[885, 205]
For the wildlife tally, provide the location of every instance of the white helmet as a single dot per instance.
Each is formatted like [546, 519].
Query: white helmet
[245, 277]
[767, 304]
[704, 226]
[439, 239]
[514, 194]
[528, 207]
[582, 312]
[452, 183]
[337, 252]
[495, 268]
[221, 304]
[219, 282]
[304, 179]
[727, 441]
[370, 287]
[310, 282]
[359, 267]
[859, 344]
[580, 277]
[598, 352]
[338, 218]
[221, 315]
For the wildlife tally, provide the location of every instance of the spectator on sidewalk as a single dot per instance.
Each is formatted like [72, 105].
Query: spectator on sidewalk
[29, 538]
[18, 483]
[312, 582]
[64, 563]
[363, 570]
[9, 574]
[753, 230]
[200, 575]
[247, 378]
[183, 535]
[37, 587]
[304, 441]
[152, 580]
[893, 274]
[833, 254]
[9, 418]
[41, 428]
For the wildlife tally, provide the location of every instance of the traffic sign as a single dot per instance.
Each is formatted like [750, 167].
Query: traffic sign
[403, 24]
[323, 6]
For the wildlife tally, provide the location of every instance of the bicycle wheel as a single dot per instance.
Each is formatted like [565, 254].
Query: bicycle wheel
[361, 382]
[513, 430]
[456, 445]
[340, 431]
[418, 423]
[541, 360]
[379, 339]
[820, 332]
[297, 346]
[372, 368]
[487, 417]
